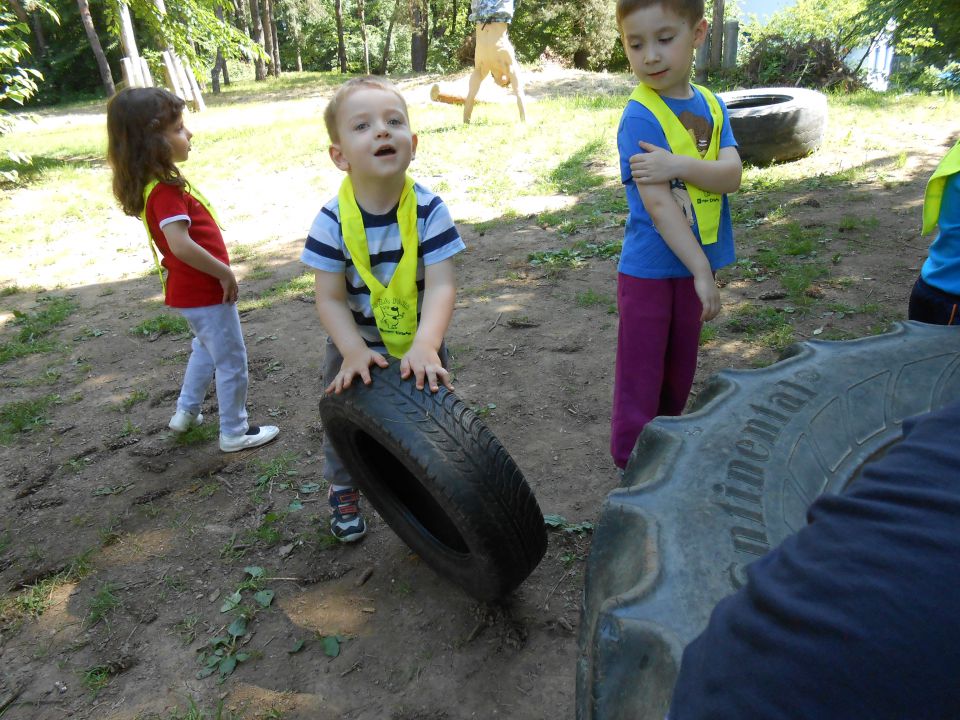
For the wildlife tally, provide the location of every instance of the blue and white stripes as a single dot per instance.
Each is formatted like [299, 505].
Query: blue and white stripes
[325, 250]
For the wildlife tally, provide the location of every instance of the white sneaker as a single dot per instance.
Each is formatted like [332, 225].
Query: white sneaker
[183, 421]
[256, 436]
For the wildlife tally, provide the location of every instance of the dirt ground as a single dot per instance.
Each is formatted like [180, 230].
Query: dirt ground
[171, 528]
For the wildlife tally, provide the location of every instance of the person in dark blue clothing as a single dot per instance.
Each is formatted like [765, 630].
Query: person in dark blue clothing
[856, 616]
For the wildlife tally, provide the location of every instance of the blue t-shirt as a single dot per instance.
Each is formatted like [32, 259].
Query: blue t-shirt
[857, 615]
[645, 254]
[942, 266]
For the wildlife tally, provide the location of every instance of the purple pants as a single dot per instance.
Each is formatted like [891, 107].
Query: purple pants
[657, 344]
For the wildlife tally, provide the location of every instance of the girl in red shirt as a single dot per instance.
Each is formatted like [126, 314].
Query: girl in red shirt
[146, 137]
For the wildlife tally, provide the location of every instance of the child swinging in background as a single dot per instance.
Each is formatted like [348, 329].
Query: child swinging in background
[936, 294]
[146, 137]
[679, 230]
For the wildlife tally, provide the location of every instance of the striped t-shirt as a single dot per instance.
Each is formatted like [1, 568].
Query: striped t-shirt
[325, 250]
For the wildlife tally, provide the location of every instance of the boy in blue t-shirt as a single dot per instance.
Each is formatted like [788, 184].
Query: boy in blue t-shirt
[935, 297]
[382, 251]
[679, 230]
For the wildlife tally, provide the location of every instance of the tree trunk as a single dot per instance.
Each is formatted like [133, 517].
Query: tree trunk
[439, 27]
[256, 34]
[267, 35]
[220, 64]
[240, 17]
[276, 40]
[297, 45]
[361, 11]
[420, 39]
[40, 42]
[98, 53]
[385, 57]
[716, 35]
[341, 46]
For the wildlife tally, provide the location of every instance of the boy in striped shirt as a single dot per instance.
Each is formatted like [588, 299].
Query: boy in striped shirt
[382, 253]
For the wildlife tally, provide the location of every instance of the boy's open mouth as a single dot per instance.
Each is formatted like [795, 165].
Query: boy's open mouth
[385, 151]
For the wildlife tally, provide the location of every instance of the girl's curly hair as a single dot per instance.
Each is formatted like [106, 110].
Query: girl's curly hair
[137, 150]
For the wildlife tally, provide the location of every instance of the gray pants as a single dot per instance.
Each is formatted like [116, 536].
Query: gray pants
[333, 469]
[218, 351]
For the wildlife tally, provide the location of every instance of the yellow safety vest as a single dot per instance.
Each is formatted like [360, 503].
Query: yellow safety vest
[706, 205]
[394, 306]
[143, 216]
[934, 194]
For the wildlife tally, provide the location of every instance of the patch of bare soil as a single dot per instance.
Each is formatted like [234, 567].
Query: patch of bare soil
[364, 631]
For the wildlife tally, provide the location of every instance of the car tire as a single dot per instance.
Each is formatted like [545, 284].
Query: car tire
[706, 493]
[776, 124]
[440, 479]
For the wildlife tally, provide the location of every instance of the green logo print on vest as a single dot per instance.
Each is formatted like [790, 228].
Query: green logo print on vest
[706, 205]
[932, 198]
[146, 226]
[394, 306]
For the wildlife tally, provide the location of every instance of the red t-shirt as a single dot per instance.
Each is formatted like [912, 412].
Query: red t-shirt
[186, 286]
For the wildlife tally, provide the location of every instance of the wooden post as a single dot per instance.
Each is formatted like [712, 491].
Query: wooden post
[716, 34]
[702, 59]
[198, 104]
[170, 71]
[180, 80]
[145, 72]
[132, 73]
[731, 31]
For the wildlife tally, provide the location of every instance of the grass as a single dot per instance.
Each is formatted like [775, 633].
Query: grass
[199, 434]
[134, 398]
[102, 604]
[164, 324]
[34, 600]
[24, 416]
[96, 678]
[589, 298]
[578, 172]
[765, 325]
[300, 286]
[34, 328]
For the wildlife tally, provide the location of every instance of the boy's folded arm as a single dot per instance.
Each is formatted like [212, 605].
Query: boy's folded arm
[655, 164]
[718, 176]
[676, 233]
[673, 227]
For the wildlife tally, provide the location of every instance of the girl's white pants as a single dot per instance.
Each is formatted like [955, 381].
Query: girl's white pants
[218, 352]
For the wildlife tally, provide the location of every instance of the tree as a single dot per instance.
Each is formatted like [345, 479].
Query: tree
[19, 83]
[927, 29]
[341, 45]
[105, 75]
[220, 63]
[25, 17]
[576, 30]
[361, 13]
[420, 41]
[385, 56]
[194, 31]
[256, 34]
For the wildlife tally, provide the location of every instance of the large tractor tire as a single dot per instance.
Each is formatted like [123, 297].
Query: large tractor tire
[707, 493]
[440, 479]
[776, 124]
